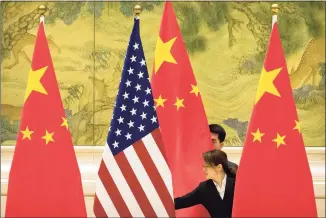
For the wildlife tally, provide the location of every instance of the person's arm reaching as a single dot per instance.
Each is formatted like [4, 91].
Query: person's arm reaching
[188, 200]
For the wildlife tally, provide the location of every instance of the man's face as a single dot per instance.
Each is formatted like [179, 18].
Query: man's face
[216, 142]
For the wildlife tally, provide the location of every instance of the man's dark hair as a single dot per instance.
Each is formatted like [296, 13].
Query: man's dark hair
[219, 130]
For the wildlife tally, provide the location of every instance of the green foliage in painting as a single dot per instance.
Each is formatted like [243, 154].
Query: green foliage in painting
[309, 96]
[214, 14]
[6, 125]
[322, 73]
[89, 99]
[308, 11]
[101, 58]
[195, 44]
[96, 8]
[190, 23]
[289, 32]
[194, 15]
[68, 12]
[8, 130]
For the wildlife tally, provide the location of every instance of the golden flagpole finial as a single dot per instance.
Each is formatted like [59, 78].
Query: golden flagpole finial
[275, 10]
[137, 11]
[42, 9]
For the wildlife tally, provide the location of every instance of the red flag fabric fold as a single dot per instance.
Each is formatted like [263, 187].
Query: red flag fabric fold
[44, 179]
[274, 178]
[180, 111]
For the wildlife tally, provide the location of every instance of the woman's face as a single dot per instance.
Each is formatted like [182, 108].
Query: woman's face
[211, 171]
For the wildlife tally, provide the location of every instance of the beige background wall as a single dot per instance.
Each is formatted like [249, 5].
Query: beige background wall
[90, 156]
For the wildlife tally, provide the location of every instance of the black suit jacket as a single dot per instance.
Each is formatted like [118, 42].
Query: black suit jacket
[207, 195]
[233, 165]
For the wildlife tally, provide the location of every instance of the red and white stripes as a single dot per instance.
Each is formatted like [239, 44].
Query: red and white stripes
[136, 182]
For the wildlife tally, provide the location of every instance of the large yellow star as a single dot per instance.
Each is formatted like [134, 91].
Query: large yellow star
[195, 89]
[179, 103]
[48, 137]
[279, 140]
[163, 53]
[64, 123]
[297, 126]
[266, 83]
[34, 82]
[27, 133]
[257, 135]
[160, 101]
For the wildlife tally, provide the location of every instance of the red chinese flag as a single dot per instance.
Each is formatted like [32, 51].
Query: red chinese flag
[180, 111]
[44, 179]
[274, 179]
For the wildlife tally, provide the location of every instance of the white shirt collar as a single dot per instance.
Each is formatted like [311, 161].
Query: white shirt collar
[221, 190]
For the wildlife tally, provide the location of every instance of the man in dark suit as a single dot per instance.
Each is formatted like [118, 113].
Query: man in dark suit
[218, 135]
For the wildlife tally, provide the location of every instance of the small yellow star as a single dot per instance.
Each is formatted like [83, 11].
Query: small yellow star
[64, 123]
[34, 82]
[160, 101]
[266, 83]
[257, 135]
[195, 89]
[48, 137]
[279, 140]
[27, 133]
[163, 53]
[179, 103]
[297, 126]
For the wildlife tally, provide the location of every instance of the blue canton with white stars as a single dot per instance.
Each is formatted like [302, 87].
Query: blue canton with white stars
[134, 114]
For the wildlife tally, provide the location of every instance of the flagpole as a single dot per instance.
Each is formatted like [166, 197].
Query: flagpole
[274, 13]
[137, 10]
[42, 10]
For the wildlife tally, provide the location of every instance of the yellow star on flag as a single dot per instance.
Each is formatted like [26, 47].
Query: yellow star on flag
[64, 123]
[297, 126]
[257, 135]
[266, 83]
[34, 82]
[48, 137]
[160, 101]
[163, 53]
[27, 133]
[179, 103]
[279, 140]
[195, 89]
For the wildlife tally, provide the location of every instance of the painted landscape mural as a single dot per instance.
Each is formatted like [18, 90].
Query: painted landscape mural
[226, 42]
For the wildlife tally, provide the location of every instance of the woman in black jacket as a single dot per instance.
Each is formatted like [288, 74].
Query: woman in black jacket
[216, 193]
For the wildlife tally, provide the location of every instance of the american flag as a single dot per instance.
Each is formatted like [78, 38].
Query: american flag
[134, 179]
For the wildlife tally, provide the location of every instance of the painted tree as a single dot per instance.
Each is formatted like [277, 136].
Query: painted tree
[192, 16]
[294, 18]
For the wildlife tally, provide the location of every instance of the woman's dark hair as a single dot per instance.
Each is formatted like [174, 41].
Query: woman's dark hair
[215, 157]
